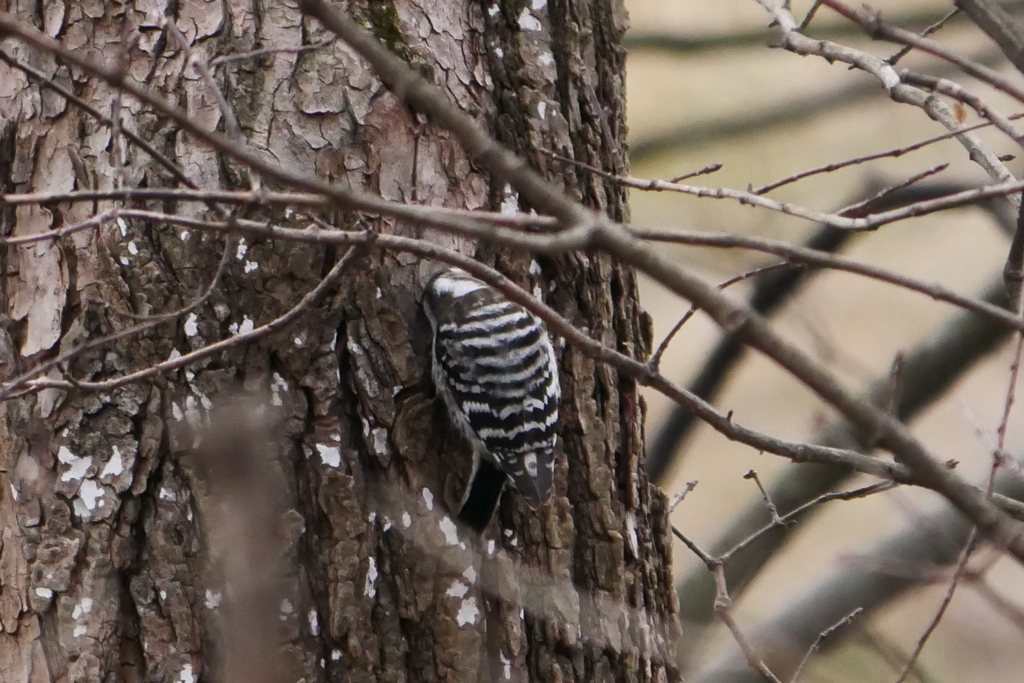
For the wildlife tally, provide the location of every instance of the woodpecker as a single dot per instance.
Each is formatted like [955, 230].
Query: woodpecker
[495, 370]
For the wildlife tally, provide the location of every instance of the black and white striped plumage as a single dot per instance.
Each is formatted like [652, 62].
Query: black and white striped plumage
[495, 369]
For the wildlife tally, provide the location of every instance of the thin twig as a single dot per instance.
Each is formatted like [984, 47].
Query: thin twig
[957, 575]
[704, 557]
[873, 25]
[723, 608]
[893, 153]
[711, 168]
[50, 84]
[790, 517]
[864, 206]
[905, 50]
[655, 361]
[307, 301]
[234, 131]
[256, 54]
[898, 91]
[772, 510]
[813, 10]
[870, 222]
[1014, 269]
[845, 621]
[679, 497]
[482, 222]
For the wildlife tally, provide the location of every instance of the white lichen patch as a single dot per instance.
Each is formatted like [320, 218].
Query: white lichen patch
[166, 493]
[133, 249]
[83, 607]
[192, 416]
[241, 250]
[186, 675]
[329, 455]
[250, 266]
[90, 496]
[380, 442]
[428, 498]
[314, 622]
[191, 325]
[44, 593]
[450, 531]
[506, 667]
[335, 655]
[370, 590]
[286, 609]
[247, 325]
[77, 467]
[278, 384]
[114, 466]
[528, 22]
[631, 534]
[510, 201]
[213, 598]
[122, 225]
[470, 574]
[458, 590]
[406, 520]
[468, 612]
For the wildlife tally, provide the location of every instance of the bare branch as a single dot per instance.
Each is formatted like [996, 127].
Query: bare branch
[845, 621]
[873, 25]
[898, 152]
[308, 300]
[1003, 28]
[655, 360]
[898, 91]
[905, 50]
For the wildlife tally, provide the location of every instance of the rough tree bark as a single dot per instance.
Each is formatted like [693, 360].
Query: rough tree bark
[103, 576]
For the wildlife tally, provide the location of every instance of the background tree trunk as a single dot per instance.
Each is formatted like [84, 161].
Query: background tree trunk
[103, 573]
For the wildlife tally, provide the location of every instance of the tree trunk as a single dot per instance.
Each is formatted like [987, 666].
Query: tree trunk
[117, 539]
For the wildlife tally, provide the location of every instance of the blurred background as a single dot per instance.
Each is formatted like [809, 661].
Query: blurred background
[705, 86]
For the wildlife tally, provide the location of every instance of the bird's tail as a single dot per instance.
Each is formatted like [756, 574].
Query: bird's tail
[482, 495]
